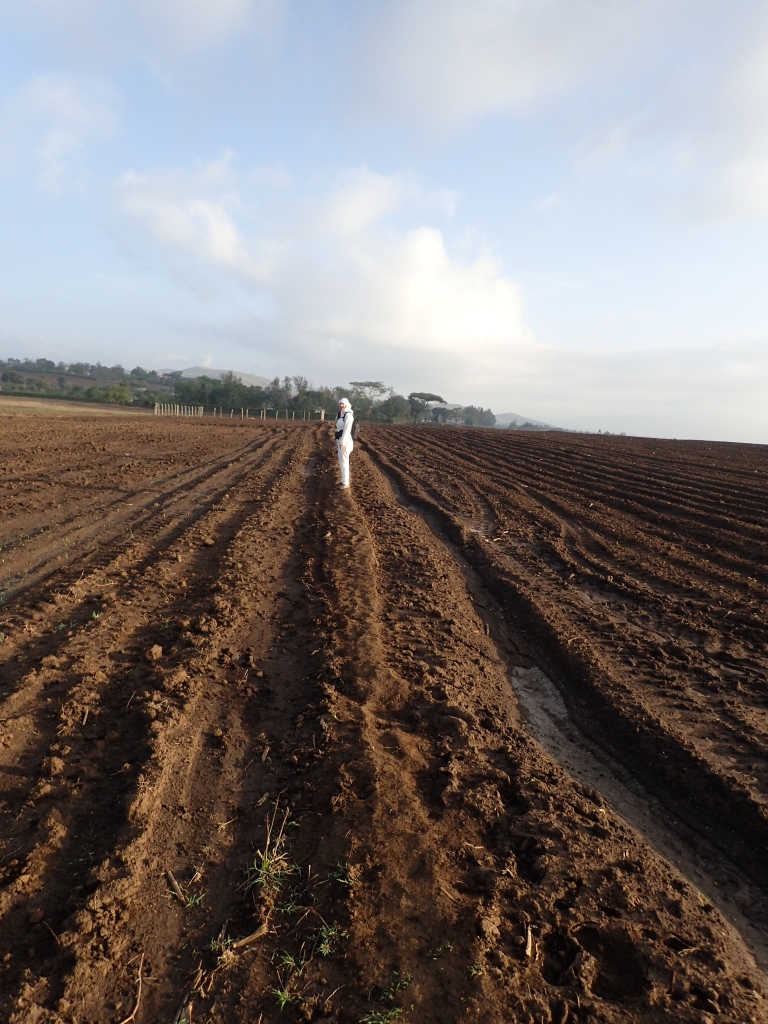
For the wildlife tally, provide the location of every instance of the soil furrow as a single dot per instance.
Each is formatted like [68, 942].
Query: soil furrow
[28, 562]
[448, 769]
[262, 762]
[587, 650]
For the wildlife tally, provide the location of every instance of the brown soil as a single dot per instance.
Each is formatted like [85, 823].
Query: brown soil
[260, 746]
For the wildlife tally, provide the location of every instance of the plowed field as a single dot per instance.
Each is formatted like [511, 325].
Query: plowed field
[262, 758]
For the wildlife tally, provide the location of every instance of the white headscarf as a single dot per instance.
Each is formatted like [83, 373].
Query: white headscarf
[344, 405]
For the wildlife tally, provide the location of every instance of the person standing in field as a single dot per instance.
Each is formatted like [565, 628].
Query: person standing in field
[344, 442]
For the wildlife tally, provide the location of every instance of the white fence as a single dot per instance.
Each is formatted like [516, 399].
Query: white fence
[178, 410]
[245, 414]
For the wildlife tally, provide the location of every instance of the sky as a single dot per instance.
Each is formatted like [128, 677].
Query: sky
[552, 207]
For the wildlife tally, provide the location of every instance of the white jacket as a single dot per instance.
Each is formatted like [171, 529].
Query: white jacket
[344, 423]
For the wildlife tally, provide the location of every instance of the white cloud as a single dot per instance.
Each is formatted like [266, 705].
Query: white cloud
[52, 120]
[99, 34]
[359, 294]
[195, 24]
[334, 269]
[708, 392]
[549, 203]
[731, 141]
[450, 61]
[192, 216]
[364, 197]
[403, 292]
[694, 138]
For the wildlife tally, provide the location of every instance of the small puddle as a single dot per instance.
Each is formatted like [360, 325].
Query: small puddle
[740, 902]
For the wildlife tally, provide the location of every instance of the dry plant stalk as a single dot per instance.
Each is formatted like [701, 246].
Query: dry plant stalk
[132, 1016]
[259, 933]
[174, 885]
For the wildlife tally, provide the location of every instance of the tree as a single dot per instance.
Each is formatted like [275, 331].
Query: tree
[477, 416]
[364, 394]
[419, 401]
[119, 394]
[370, 389]
[394, 409]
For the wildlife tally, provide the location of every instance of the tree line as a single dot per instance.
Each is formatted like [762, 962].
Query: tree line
[371, 400]
[86, 382]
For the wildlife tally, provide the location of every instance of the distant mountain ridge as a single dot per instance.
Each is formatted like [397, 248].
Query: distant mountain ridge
[251, 379]
[505, 418]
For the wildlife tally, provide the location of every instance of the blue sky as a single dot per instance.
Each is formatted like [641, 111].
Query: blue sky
[554, 207]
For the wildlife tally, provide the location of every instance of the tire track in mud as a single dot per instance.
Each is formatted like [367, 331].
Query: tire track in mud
[582, 650]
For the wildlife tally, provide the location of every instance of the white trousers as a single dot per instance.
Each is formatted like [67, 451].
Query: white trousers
[344, 466]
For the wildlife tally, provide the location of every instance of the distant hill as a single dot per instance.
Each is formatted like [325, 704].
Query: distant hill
[251, 379]
[505, 418]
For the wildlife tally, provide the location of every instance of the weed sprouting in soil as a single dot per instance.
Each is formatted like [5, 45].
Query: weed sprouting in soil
[381, 1016]
[297, 898]
[296, 964]
[398, 983]
[283, 996]
[327, 940]
[475, 970]
[342, 874]
[272, 866]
